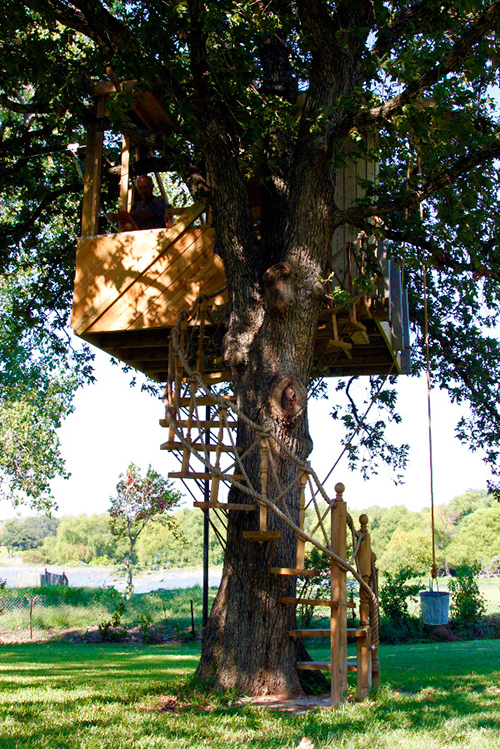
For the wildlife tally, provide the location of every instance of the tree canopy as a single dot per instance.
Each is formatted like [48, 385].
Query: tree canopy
[422, 74]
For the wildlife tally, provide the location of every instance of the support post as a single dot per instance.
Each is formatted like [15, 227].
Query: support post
[125, 192]
[374, 624]
[338, 615]
[206, 531]
[92, 176]
[263, 483]
[364, 643]
[301, 544]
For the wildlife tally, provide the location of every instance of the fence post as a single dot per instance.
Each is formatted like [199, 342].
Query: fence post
[364, 654]
[338, 615]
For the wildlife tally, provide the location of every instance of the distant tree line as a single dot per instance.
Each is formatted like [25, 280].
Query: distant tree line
[88, 539]
[467, 532]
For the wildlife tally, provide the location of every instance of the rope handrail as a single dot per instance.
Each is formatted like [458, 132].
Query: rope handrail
[184, 378]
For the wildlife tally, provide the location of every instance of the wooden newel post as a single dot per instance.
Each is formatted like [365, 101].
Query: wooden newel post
[338, 621]
[375, 626]
[264, 446]
[364, 644]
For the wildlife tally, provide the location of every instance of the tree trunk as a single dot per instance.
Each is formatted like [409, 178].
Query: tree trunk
[130, 572]
[246, 644]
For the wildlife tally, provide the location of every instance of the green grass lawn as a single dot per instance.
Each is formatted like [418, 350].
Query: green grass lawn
[64, 696]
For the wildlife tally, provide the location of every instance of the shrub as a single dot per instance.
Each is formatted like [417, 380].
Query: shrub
[396, 592]
[394, 596]
[467, 605]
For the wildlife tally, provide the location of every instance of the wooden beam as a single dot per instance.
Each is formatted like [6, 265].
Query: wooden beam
[125, 192]
[262, 536]
[293, 572]
[92, 176]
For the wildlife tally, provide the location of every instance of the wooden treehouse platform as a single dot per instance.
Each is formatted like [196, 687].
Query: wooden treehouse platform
[130, 287]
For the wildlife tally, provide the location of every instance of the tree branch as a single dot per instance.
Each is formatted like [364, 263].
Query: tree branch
[412, 198]
[452, 62]
[47, 200]
[8, 145]
[412, 19]
[94, 21]
[19, 108]
[439, 258]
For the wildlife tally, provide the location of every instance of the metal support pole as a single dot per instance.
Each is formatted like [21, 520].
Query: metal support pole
[206, 530]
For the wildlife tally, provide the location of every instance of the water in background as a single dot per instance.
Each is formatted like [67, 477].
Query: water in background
[100, 577]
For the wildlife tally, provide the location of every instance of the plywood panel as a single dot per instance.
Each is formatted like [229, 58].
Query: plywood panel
[159, 275]
[95, 253]
[108, 265]
[182, 293]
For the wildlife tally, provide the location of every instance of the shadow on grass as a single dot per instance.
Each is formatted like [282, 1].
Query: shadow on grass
[79, 696]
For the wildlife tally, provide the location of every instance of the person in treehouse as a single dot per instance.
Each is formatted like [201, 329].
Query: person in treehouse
[150, 212]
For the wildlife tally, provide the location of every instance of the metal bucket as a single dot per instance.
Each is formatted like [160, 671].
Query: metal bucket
[435, 606]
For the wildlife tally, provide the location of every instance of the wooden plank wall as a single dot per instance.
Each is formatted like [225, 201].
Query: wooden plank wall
[144, 279]
[350, 187]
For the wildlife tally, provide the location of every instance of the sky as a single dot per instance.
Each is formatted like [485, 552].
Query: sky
[114, 424]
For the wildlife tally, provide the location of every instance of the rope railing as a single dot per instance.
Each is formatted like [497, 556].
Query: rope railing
[183, 393]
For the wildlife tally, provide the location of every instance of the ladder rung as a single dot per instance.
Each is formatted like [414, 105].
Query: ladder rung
[309, 633]
[310, 602]
[199, 447]
[204, 400]
[202, 476]
[316, 602]
[261, 536]
[194, 423]
[322, 666]
[359, 632]
[293, 571]
[224, 506]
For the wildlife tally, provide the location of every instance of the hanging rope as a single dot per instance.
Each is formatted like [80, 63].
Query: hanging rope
[428, 372]
[428, 377]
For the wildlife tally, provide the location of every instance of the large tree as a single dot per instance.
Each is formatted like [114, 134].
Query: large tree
[230, 73]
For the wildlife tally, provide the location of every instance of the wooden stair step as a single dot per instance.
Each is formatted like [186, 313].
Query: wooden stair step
[224, 506]
[262, 536]
[339, 344]
[293, 572]
[202, 476]
[354, 632]
[315, 602]
[351, 325]
[204, 400]
[200, 447]
[322, 666]
[198, 423]
[309, 633]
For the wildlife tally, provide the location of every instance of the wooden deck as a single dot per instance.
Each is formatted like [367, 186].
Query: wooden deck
[131, 287]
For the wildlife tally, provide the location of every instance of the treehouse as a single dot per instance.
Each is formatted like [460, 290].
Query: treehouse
[131, 286]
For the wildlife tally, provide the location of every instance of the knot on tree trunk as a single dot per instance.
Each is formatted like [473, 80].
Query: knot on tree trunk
[288, 398]
[278, 287]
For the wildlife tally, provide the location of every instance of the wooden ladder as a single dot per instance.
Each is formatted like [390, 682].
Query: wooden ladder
[366, 665]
